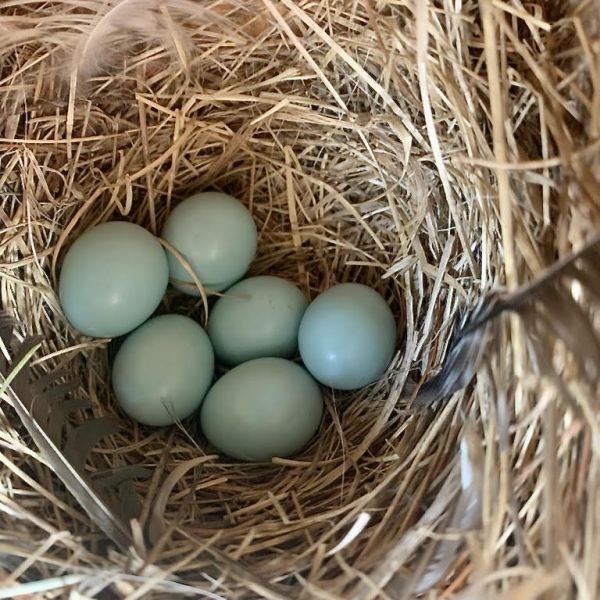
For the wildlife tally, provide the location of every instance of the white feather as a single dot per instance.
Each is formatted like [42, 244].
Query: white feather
[360, 523]
[111, 32]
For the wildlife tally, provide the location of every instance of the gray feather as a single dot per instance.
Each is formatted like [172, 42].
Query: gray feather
[547, 304]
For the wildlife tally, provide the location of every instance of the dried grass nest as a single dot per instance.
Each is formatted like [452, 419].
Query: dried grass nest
[433, 149]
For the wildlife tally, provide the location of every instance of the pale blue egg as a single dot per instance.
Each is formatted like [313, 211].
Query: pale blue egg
[163, 370]
[262, 408]
[216, 235]
[347, 336]
[257, 317]
[112, 279]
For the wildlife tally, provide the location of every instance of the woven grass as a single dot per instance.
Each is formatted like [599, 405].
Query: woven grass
[431, 149]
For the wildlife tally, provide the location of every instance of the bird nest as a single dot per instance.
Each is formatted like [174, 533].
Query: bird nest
[434, 150]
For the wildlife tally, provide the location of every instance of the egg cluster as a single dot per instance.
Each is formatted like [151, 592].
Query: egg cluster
[114, 277]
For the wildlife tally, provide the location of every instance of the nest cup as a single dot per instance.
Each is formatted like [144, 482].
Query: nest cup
[431, 150]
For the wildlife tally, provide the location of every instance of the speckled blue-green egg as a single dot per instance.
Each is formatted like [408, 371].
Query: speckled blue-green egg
[112, 279]
[257, 317]
[216, 235]
[262, 408]
[163, 370]
[347, 336]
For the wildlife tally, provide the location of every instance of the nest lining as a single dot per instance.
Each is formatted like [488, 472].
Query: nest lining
[369, 143]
